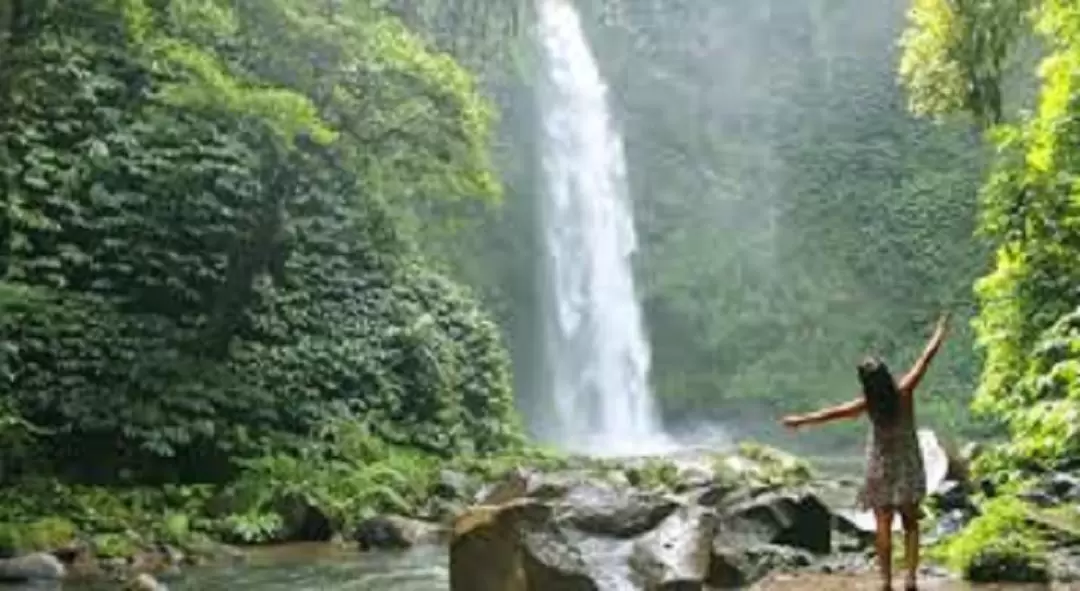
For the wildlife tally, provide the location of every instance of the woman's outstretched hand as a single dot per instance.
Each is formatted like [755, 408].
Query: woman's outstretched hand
[943, 322]
[792, 421]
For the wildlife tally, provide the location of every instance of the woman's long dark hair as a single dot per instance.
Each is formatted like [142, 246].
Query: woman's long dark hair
[880, 390]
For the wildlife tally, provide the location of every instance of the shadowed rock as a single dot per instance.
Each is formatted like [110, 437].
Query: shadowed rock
[675, 555]
[393, 532]
[606, 511]
[514, 547]
[799, 520]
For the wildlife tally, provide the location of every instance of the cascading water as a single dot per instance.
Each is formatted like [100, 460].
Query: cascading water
[597, 350]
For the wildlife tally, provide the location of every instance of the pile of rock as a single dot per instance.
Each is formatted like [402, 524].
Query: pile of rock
[536, 532]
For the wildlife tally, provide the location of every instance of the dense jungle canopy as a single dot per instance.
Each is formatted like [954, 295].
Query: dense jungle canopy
[229, 223]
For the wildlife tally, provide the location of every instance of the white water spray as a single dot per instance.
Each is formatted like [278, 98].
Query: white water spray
[597, 350]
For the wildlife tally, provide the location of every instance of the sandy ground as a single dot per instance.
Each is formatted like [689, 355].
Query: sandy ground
[869, 582]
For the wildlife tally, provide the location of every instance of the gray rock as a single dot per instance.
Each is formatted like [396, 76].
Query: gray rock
[144, 582]
[31, 567]
[799, 520]
[693, 475]
[716, 495]
[953, 495]
[514, 484]
[948, 524]
[607, 511]
[452, 485]
[676, 555]
[304, 522]
[393, 532]
[736, 568]
[520, 483]
[1062, 486]
[515, 547]
[551, 560]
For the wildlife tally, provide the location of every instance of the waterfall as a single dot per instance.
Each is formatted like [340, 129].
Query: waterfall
[597, 351]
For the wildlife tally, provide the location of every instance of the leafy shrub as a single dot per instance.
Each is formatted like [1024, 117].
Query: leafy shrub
[998, 545]
[46, 533]
[347, 475]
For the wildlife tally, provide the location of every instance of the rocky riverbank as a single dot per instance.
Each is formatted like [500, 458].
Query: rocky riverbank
[728, 521]
[690, 521]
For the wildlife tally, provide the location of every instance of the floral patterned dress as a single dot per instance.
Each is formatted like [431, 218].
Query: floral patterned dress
[894, 464]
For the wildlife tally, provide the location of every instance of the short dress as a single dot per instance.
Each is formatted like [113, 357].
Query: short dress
[894, 465]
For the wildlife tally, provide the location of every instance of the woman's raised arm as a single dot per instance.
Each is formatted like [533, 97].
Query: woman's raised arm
[914, 375]
[848, 410]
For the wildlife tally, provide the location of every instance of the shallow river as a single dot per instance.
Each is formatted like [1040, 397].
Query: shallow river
[315, 567]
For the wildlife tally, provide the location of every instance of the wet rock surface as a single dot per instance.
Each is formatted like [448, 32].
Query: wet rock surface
[721, 528]
[748, 519]
[620, 513]
[677, 553]
[39, 566]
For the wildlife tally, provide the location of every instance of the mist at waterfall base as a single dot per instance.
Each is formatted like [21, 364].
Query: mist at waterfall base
[596, 348]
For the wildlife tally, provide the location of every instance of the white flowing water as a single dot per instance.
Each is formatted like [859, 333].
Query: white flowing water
[596, 346]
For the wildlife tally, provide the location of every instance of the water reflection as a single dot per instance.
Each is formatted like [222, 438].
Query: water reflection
[302, 568]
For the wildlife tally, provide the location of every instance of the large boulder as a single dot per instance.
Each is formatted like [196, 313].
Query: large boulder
[675, 555]
[304, 522]
[613, 512]
[515, 546]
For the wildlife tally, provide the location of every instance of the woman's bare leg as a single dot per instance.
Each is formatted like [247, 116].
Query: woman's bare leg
[909, 515]
[883, 544]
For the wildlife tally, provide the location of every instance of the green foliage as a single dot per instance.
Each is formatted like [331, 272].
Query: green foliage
[490, 467]
[1027, 320]
[998, 545]
[43, 534]
[205, 256]
[44, 514]
[348, 475]
[654, 474]
[772, 466]
[1043, 408]
[479, 32]
[114, 545]
[956, 55]
[209, 87]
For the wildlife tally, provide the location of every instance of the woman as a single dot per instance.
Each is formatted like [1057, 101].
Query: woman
[895, 480]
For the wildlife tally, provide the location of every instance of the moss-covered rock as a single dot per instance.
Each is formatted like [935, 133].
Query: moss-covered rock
[1011, 559]
[997, 546]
